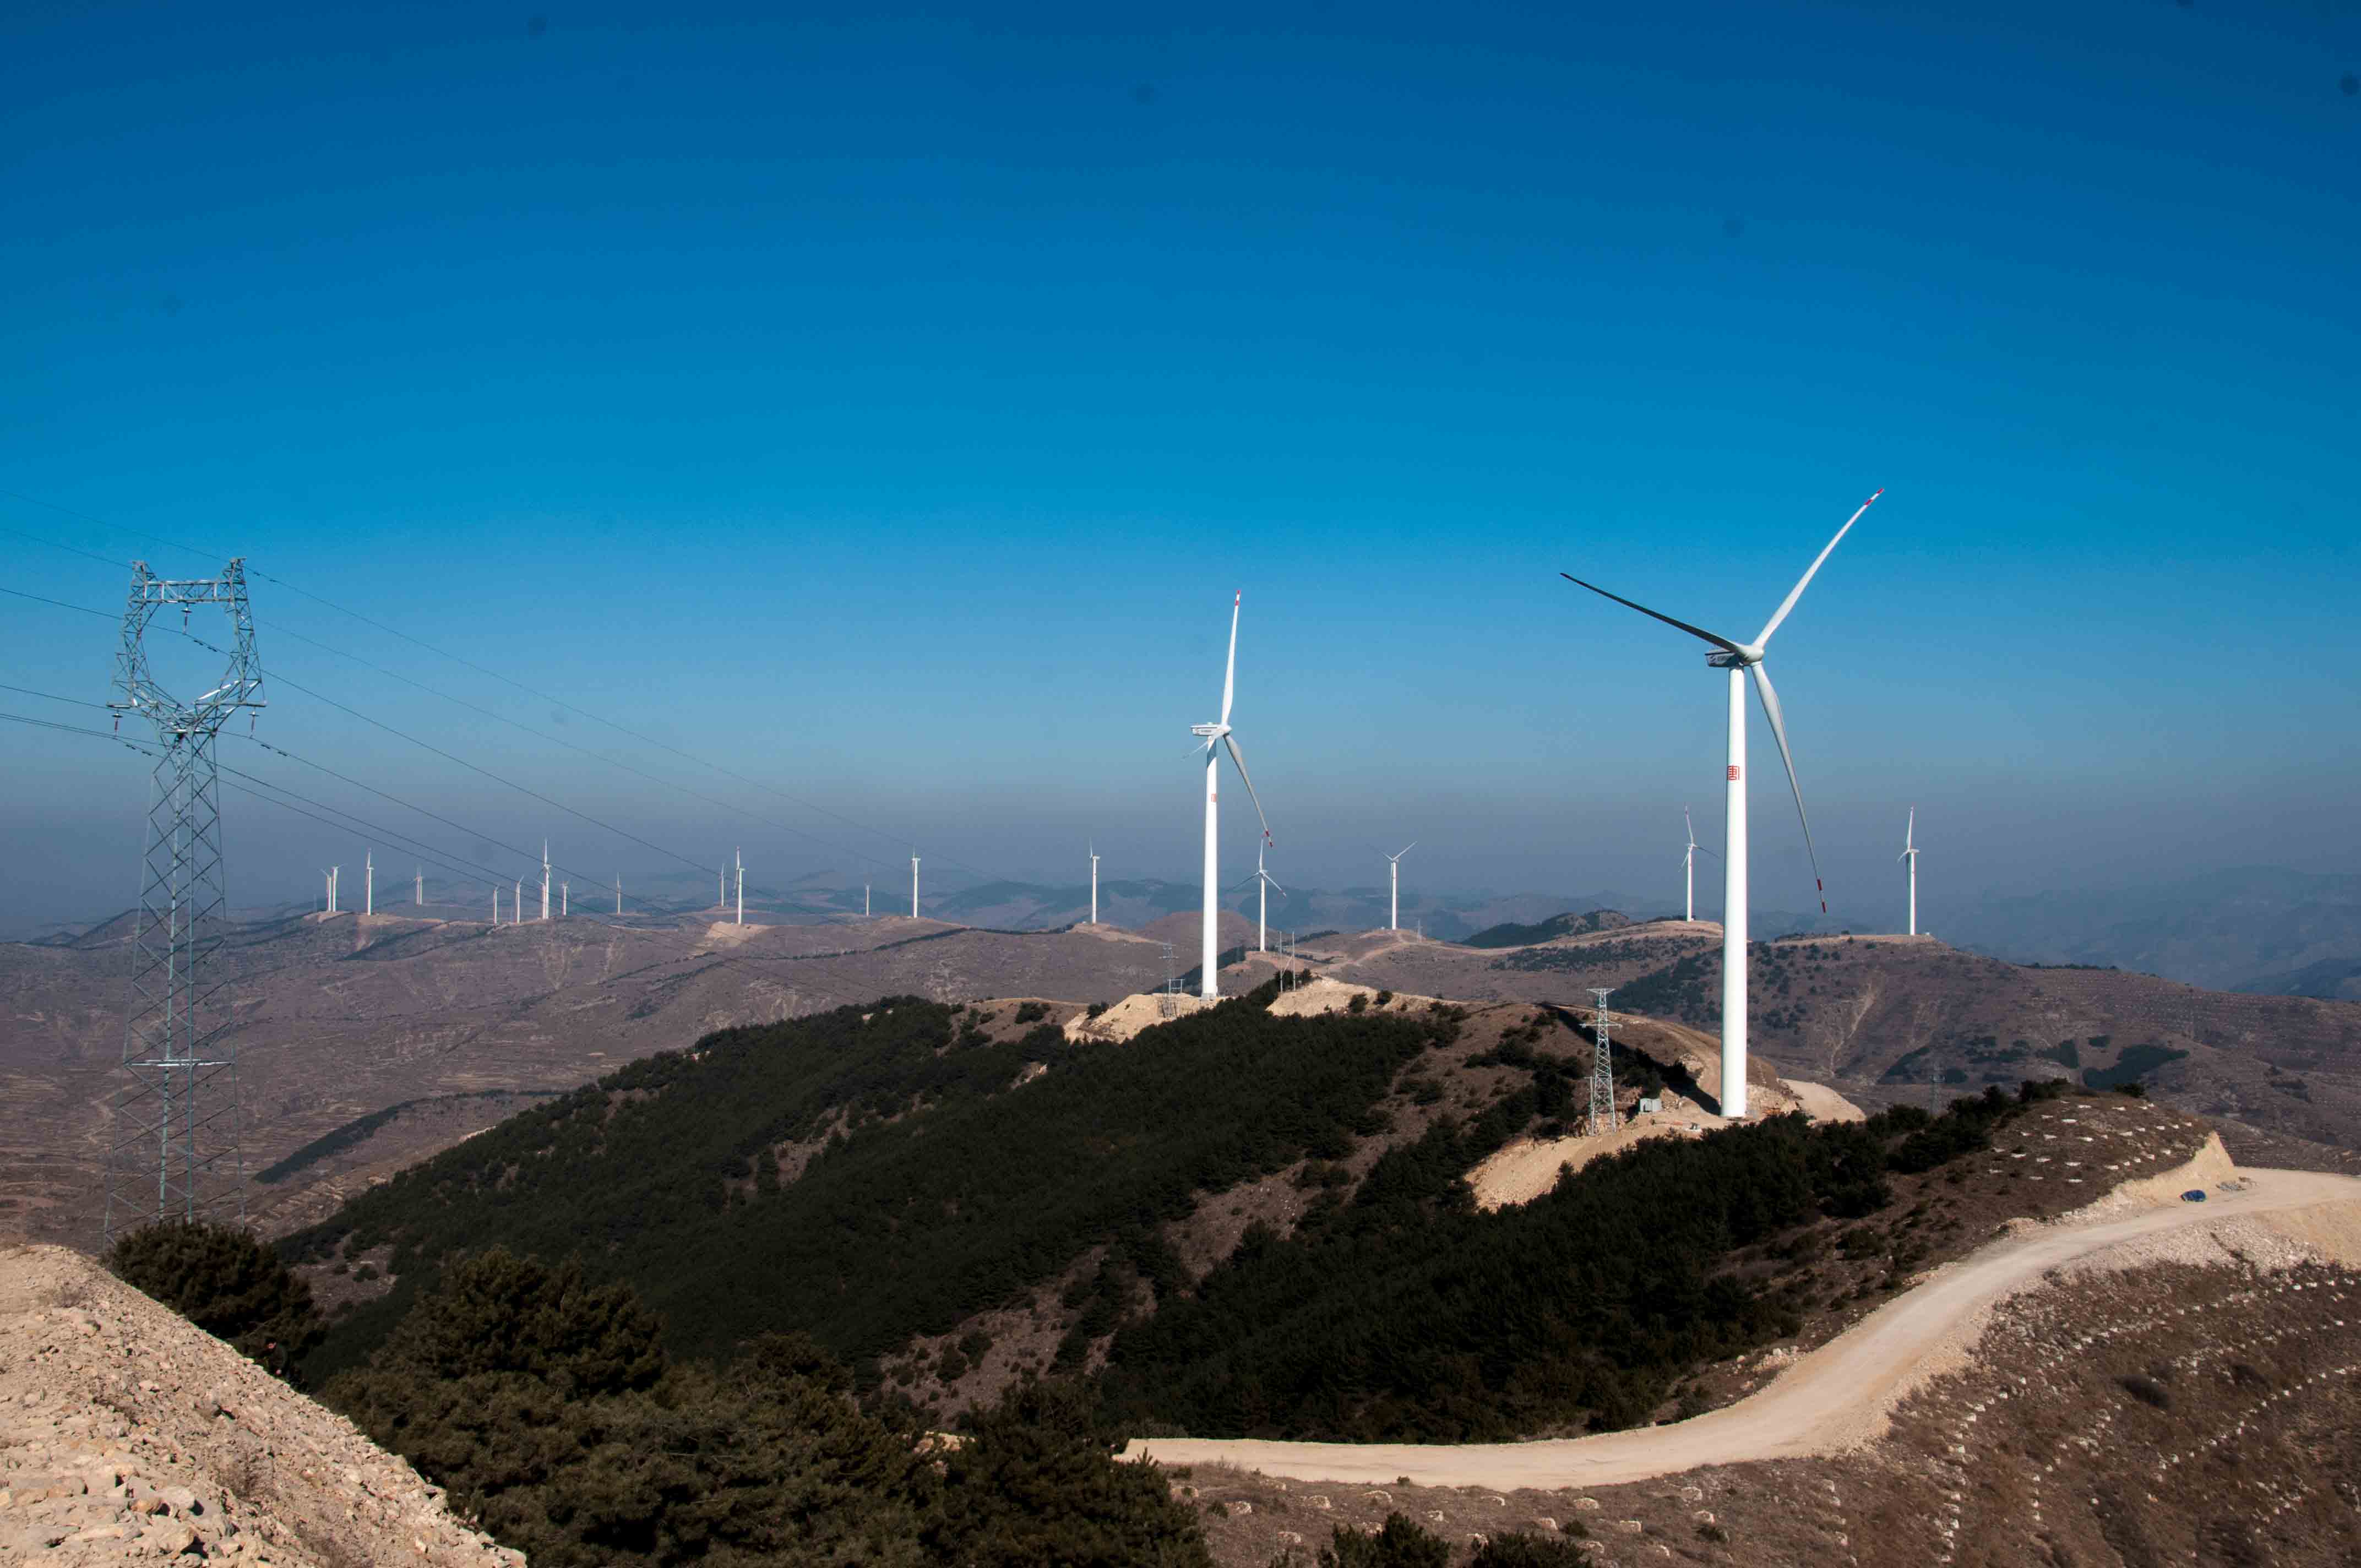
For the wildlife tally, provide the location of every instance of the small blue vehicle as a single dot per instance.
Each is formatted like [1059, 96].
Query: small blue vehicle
[2195, 1195]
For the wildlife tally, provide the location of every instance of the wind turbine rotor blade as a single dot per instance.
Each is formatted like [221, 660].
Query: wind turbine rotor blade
[1779, 733]
[1239, 758]
[1805, 581]
[1230, 672]
[1724, 644]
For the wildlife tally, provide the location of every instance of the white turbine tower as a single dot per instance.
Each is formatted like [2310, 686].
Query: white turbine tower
[741, 884]
[564, 899]
[545, 879]
[368, 881]
[1393, 873]
[618, 893]
[495, 904]
[418, 886]
[330, 873]
[1217, 736]
[1688, 868]
[914, 884]
[1910, 855]
[1095, 885]
[1739, 658]
[517, 915]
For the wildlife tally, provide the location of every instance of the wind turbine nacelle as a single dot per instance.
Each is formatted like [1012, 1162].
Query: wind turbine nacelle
[1722, 659]
[1208, 730]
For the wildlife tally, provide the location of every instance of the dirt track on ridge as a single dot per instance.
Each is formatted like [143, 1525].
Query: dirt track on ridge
[1833, 1399]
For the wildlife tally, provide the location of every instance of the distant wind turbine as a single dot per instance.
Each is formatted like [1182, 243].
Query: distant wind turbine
[545, 879]
[1264, 883]
[368, 881]
[1739, 658]
[1217, 736]
[1688, 866]
[1393, 875]
[1910, 855]
[1095, 885]
[741, 856]
[913, 882]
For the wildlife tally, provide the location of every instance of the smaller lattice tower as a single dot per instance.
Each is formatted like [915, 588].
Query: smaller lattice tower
[1602, 1070]
[1167, 1000]
[173, 1144]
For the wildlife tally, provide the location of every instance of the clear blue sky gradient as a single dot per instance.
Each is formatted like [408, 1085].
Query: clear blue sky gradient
[889, 405]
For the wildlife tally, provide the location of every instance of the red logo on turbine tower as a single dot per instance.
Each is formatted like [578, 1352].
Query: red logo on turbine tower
[1733, 772]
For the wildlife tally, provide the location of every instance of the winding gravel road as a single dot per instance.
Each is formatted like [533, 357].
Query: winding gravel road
[1835, 1398]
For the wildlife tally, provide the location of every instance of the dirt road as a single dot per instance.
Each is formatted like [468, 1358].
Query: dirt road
[1833, 1399]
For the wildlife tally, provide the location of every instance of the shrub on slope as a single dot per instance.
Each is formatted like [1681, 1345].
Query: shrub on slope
[222, 1280]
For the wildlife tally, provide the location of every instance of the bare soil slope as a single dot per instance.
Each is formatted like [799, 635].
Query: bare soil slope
[127, 1434]
[2163, 1412]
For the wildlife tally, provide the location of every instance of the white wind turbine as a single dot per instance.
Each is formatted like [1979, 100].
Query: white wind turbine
[1689, 867]
[1739, 658]
[1217, 736]
[1095, 885]
[1393, 873]
[1910, 854]
[1264, 883]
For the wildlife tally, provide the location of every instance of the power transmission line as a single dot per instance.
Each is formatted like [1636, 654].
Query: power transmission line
[896, 838]
[584, 750]
[36, 599]
[256, 787]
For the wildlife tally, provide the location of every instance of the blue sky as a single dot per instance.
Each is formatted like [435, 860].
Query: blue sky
[889, 405]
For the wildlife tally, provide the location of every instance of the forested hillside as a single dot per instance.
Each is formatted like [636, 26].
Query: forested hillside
[875, 1173]
[1405, 1314]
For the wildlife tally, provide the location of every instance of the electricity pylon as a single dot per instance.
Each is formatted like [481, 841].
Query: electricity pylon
[174, 1145]
[1602, 1070]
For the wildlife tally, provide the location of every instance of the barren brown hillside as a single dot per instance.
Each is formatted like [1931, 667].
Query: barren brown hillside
[1882, 1018]
[340, 1018]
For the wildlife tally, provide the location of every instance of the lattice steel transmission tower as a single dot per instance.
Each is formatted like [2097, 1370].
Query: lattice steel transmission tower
[173, 1147]
[1602, 1070]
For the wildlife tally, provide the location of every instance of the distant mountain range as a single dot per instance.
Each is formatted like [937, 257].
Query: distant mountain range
[2267, 930]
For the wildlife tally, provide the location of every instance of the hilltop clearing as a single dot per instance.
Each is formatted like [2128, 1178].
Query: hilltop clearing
[127, 1434]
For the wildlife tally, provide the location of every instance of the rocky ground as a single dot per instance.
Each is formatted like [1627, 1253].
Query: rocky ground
[129, 1435]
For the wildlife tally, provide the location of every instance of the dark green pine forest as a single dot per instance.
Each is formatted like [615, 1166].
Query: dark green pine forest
[936, 1188]
[949, 1172]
